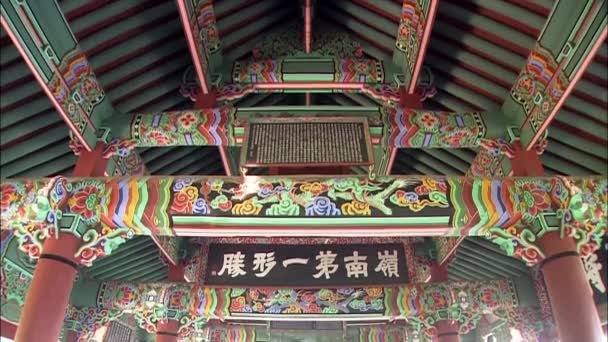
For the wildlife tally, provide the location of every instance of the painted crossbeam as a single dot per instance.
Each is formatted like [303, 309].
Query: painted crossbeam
[224, 126]
[193, 304]
[202, 206]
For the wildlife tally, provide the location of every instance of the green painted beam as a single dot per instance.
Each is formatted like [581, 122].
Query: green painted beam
[48, 43]
[160, 274]
[566, 44]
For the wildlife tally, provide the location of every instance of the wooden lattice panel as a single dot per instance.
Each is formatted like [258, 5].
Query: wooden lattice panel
[307, 141]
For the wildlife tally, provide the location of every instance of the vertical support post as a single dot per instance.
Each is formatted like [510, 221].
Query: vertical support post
[308, 26]
[569, 293]
[49, 293]
[571, 298]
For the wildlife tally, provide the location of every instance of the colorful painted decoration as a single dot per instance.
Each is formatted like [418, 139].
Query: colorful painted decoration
[207, 127]
[422, 304]
[346, 70]
[408, 128]
[539, 86]
[462, 301]
[501, 209]
[85, 321]
[411, 29]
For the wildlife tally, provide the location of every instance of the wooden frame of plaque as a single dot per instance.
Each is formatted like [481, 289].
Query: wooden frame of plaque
[360, 149]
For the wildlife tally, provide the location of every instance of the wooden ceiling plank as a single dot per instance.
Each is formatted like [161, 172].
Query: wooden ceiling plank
[34, 159]
[577, 142]
[456, 71]
[461, 14]
[120, 54]
[460, 91]
[582, 123]
[597, 165]
[238, 19]
[49, 168]
[167, 159]
[565, 166]
[387, 42]
[518, 13]
[26, 111]
[362, 14]
[44, 139]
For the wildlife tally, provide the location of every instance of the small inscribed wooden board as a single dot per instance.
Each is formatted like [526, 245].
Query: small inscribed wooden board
[306, 142]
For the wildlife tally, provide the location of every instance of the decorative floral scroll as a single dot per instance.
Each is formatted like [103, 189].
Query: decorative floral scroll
[407, 128]
[580, 211]
[15, 282]
[85, 321]
[207, 127]
[114, 209]
[295, 302]
[359, 70]
[462, 301]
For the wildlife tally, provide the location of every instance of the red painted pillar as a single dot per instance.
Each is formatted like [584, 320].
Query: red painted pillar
[7, 329]
[49, 293]
[571, 297]
[47, 298]
[167, 331]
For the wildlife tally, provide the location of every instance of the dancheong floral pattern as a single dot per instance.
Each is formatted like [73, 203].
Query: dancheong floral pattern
[408, 128]
[324, 301]
[115, 209]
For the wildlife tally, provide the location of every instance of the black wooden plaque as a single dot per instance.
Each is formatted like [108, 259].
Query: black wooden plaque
[314, 141]
[290, 270]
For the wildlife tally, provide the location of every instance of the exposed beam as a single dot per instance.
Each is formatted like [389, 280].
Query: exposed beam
[413, 36]
[197, 206]
[45, 41]
[198, 21]
[567, 45]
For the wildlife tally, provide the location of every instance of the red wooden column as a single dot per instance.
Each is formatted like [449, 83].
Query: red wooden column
[7, 329]
[49, 293]
[571, 297]
[447, 330]
[166, 331]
